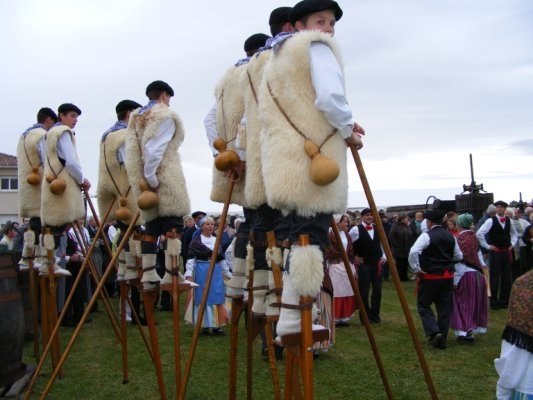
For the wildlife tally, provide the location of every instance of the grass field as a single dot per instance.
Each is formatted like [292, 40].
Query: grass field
[93, 369]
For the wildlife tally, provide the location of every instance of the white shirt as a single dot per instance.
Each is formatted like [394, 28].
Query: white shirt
[485, 228]
[422, 243]
[154, 149]
[67, 152]
[210, 124]
[328, 81]
[354, 234]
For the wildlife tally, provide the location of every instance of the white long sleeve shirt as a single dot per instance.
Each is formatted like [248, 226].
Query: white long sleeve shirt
[154, 149]
[328, 81]
[66, 151]
[422, 243]
[485, 228]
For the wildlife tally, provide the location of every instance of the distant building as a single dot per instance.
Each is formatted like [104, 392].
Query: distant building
[9, 185]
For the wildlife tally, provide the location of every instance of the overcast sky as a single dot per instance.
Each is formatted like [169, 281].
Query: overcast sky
[431, 81]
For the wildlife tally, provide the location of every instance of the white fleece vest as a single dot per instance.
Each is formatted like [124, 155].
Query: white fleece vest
[28, 157]
[254, 188]
[113, 179]
[230, 110]
[285, 164]
[68, 207]
[172, 191]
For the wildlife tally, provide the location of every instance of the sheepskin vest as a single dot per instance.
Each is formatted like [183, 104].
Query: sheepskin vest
[285, 164]
[254, 188]
[172, 191]
[57, 210]
[230, 110]
[27, 158]
[113, 179]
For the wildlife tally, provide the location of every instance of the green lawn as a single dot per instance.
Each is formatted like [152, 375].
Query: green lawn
[93, 369]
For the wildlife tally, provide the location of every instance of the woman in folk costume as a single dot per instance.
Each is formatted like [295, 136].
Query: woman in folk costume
[344, 300]
[515, 364]
[216, 314]
[470, 302]
[61, 197]
[156, 177]
[30, 176]
[297, 112]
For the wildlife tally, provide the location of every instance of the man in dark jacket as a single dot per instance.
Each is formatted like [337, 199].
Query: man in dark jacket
[432, 258]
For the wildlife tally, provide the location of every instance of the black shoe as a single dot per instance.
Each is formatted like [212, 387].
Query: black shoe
[342, 324]
[68, 323]
[218, 332]
[435, 338]
[165, 308]
[465, 339]
[205, 331]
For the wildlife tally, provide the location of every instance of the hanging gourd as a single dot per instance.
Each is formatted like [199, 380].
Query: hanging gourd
[123, 213]
[226, 159]
[57, 185]
[323, 170]
[148, 198]
[33, 178]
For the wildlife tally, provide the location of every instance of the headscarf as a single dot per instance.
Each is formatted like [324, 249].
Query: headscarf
[465, 221]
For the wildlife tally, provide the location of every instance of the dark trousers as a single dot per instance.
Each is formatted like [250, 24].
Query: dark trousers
[440, 293]
[500, 274]
[368, 276]
[267, 219]
[158, 227]
[402, 265]
[77, 304]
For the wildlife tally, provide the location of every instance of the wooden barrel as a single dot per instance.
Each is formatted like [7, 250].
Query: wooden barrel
[11, 323]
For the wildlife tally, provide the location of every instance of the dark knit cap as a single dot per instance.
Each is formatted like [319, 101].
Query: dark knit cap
[307, 7]
[255, 41]
[365, 211]
[159, 86]
[279, 15]
[68, 107]
[126, 105]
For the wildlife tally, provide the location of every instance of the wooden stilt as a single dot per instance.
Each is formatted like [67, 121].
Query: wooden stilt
[78, 328]
[123, 293]
[201, 307]
[362, 310]
[149, 300]
[394, 272]
[237, 306]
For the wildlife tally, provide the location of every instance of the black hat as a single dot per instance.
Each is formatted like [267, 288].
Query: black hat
[67, 107]
[159, 86]
[365, 211]
[126, 105]
[48, 112]
[501, 203]
[307, 7]
[198, 213]
[435, 215]
[255, 41]
[279, 15]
